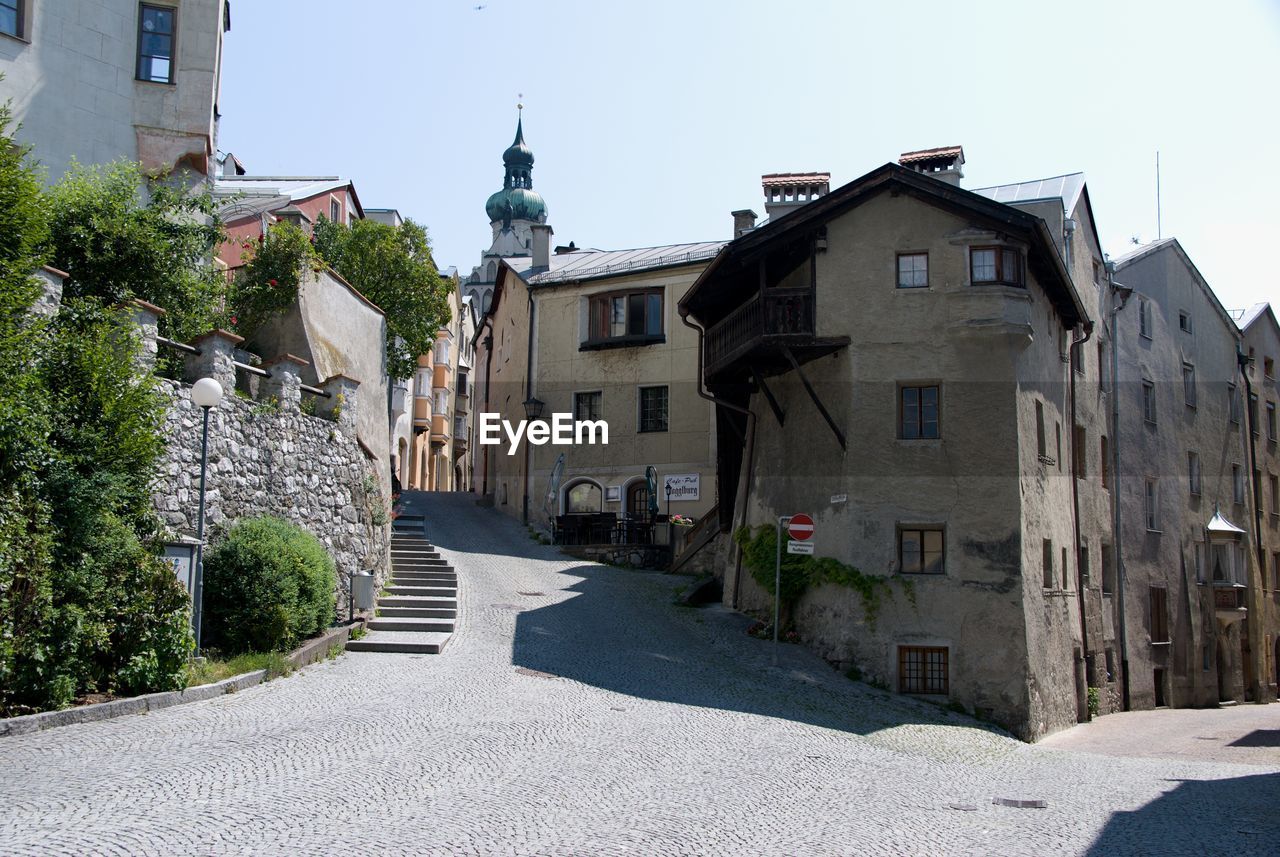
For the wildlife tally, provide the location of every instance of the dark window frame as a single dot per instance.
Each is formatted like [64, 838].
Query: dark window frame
[920, 530]
[640, 409]
[1003, 277]
[599, 319]
[921, 676]
[919, 407]
[599, 400]
[897, 268]
[173, 45]
[19, 8]
[1149, 411]
[1159, 603]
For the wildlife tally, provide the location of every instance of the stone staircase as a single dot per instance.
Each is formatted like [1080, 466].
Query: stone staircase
[418, 608]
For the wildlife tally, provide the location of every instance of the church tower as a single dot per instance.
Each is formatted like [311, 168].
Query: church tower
[512, 213]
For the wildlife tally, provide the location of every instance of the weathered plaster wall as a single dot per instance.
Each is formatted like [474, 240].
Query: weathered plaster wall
[688, 444]
[993, 351]
[338, 332]
[1166, 556]
[1263, 337]
[75, 96]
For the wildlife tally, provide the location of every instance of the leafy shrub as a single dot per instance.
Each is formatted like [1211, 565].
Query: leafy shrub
[267, 586]
[268, 283]
[801, 571]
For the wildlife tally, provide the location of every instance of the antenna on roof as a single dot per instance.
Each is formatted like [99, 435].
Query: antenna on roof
[1159, 230]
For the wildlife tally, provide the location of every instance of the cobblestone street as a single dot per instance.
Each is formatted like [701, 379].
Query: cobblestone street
[579, 711]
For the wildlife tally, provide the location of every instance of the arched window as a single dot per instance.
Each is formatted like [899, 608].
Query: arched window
[582, 498]
[492, 272]
[484, 304]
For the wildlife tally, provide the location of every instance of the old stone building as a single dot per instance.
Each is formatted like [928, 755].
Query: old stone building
[605, 344]
[435, 459]
[130, 80]
[1186, 568]
[1261, 350]
[894, 358]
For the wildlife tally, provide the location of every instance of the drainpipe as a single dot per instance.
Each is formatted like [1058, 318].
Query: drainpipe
[1075, 507]
[528, 394]
[1116, 290]
[749, 446]
[488, 364]
[1242, 361]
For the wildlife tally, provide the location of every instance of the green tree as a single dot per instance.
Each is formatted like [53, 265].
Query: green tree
[391, 266]
[26, 590]
[85, 602]
[115, 246]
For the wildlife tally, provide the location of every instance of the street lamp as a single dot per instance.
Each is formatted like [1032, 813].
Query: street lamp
[206, 393]
[668, 501]
[532, 410]
[533, 407]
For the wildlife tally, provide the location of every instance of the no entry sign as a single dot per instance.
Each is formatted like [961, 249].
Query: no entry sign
[800, 527]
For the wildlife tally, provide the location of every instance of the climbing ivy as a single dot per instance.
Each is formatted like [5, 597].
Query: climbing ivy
[800, 572]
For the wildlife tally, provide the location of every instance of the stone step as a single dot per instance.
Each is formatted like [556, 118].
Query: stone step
[409, 624]
[419, 560]
[417, 612]
[439, 592]
[407, 642]
[418, 601]
[416, 578]
[423, 569]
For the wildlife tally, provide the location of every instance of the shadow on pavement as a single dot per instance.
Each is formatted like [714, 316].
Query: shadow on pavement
[1234, 816]
[620, 631]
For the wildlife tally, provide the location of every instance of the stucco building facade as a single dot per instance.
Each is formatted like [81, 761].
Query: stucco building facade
[915, 340]
[99, 80]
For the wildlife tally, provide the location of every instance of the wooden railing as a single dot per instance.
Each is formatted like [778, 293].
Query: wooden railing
[1228, 598]
[782, 312]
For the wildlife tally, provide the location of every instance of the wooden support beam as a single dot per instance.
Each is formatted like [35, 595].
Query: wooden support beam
[768, 394]
[816, 401]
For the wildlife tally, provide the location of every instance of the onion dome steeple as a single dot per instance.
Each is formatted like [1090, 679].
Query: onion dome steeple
[517, 200]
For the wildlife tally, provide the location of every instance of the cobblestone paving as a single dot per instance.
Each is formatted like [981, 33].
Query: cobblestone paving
[594, 718]
[1243, 734]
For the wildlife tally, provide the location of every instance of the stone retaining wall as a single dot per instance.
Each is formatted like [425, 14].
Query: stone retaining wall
[267, 457]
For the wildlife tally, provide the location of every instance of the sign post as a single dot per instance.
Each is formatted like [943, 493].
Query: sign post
[777, 585]
[800, 529]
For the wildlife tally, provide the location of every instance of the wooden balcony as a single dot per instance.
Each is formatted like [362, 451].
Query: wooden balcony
[759, 332]
[1228, 601]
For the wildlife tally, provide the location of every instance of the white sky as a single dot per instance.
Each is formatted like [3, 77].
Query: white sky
[651, 121]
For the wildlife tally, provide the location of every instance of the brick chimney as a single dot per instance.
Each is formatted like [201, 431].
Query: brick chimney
[785, 192]
[744, 220]
[943, 164]
[542, 233]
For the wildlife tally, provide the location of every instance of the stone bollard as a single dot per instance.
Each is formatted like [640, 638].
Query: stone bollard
[341, 404]
[146, 318]
[216, 359]
[285, 382]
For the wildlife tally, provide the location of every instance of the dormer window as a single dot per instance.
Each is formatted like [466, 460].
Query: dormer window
[1002, 265]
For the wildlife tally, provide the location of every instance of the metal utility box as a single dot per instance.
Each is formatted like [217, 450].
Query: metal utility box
[362, 590]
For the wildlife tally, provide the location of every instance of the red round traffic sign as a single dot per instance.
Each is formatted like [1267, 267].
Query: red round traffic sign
[800, 527]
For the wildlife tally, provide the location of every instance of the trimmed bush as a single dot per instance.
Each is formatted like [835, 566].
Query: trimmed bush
[267, 586]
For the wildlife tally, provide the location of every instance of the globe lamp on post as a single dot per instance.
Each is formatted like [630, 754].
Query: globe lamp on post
[205, 393]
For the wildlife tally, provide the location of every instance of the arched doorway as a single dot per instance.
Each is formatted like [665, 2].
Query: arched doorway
[638, 500]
